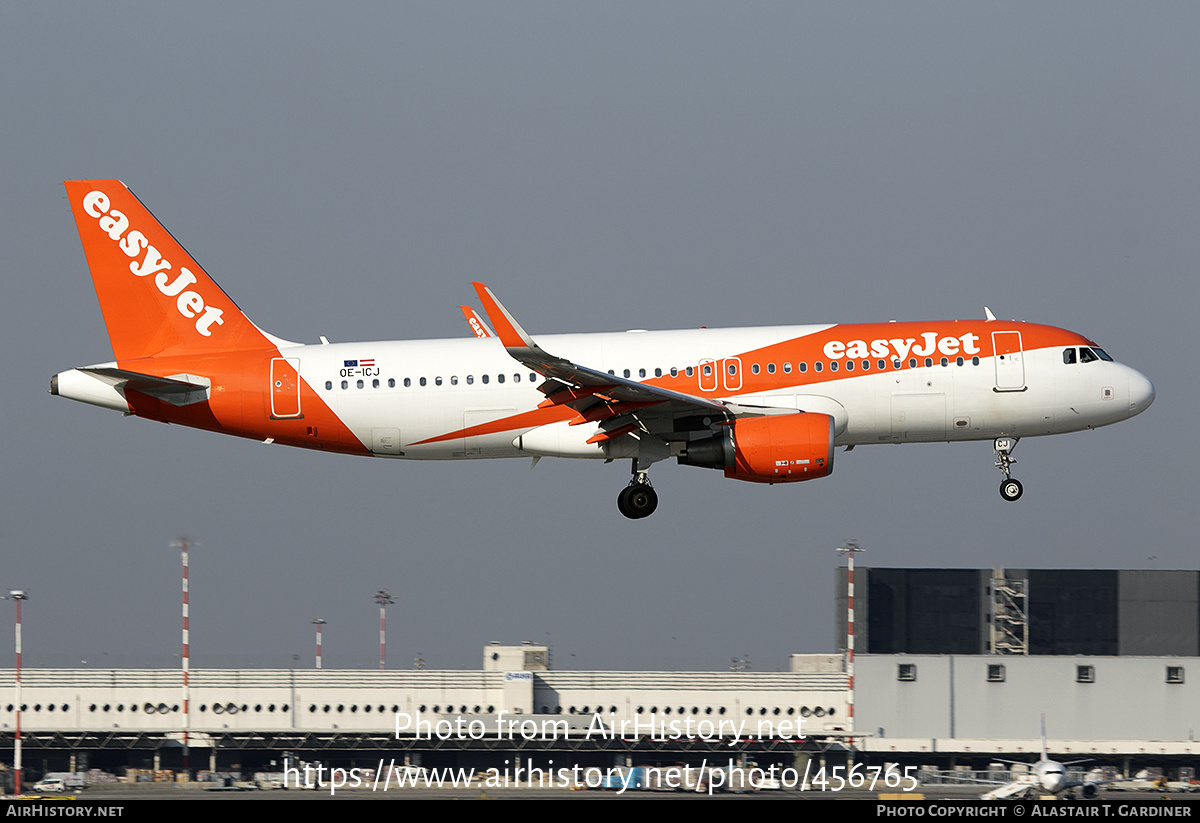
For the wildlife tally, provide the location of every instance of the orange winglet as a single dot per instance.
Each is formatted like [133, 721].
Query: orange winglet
[506, 328]
[474, 322]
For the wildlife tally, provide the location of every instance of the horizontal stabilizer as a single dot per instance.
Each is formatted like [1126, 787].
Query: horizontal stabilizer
[173, 390]
[106, 386]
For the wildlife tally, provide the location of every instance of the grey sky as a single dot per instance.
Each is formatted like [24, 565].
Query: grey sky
[347, 170]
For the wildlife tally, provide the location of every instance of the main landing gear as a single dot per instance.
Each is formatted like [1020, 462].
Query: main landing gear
[1011, 489]
[638, 499]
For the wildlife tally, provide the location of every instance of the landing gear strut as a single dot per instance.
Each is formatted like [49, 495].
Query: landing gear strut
[638, 499]
[1011, 489]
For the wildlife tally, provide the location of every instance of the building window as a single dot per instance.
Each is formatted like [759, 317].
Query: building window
[995, 673]
[906, 672]
[1174, 674]
[1085, 674]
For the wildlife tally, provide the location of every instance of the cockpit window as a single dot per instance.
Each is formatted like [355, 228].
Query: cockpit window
[1068, 356]
[1086, 355]
[1102, 354]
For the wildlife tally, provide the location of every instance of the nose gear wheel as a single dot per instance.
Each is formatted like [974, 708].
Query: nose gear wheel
[1011, 489]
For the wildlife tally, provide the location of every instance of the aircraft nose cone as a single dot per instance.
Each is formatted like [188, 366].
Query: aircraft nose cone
[1141, 393]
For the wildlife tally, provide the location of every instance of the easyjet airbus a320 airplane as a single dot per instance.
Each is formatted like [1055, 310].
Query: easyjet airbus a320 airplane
[766, 405]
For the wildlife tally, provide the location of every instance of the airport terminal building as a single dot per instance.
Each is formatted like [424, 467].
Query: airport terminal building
[953, 666]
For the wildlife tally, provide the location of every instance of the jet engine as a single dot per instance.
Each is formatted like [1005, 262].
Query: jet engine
[783, 448]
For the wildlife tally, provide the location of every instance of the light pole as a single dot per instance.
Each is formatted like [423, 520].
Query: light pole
[18, 595]
[384, 598]
[183, 544]
[318, 623]
[848, 549]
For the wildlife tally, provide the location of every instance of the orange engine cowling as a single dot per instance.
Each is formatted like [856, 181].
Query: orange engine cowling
[783, 448]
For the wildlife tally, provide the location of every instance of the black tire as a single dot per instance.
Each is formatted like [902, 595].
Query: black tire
[1011, 489]
[623, 503]
[641, 501]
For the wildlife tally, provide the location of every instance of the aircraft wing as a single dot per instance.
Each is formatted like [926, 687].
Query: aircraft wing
[1016, 788]
[596, 395]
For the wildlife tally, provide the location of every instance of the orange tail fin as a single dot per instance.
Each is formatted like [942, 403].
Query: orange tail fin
[155, 298]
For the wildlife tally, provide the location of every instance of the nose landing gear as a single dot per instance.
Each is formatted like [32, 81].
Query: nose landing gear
[1011, 489]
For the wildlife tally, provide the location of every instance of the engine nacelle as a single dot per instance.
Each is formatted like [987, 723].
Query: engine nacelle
[1089, 790]
[781, 448]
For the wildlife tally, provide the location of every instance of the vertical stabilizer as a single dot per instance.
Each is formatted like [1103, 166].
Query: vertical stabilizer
[155, 298]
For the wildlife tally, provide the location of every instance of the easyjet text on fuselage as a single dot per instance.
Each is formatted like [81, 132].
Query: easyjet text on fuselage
[900, 347]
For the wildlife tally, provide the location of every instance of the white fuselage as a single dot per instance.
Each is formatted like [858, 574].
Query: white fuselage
[438, 387]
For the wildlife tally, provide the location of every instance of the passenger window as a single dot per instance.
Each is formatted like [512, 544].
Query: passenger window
[422, 381]
[912, 362]
[328, 385]
[470, 380]
[959, 361]
[407, 382]
[928, 362]
[882, 365]
[753, 369]
[500, 378]
[658, 372]
[849, 366]
[516, 378]
[833, 366]
[1069, 356]
[945, 362]
[375, 383]
[895, 364]
[360, 384]
[804, 367]
[345, 384]
[787, 368]
[641, 372]
[674, 371]
[690, 371]
[770, 368]
[454, 380]
[975, 361]
[391, 382]
[484, 378]
[707, 371]
[625, 373]
[732, 369]
[437, 381]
